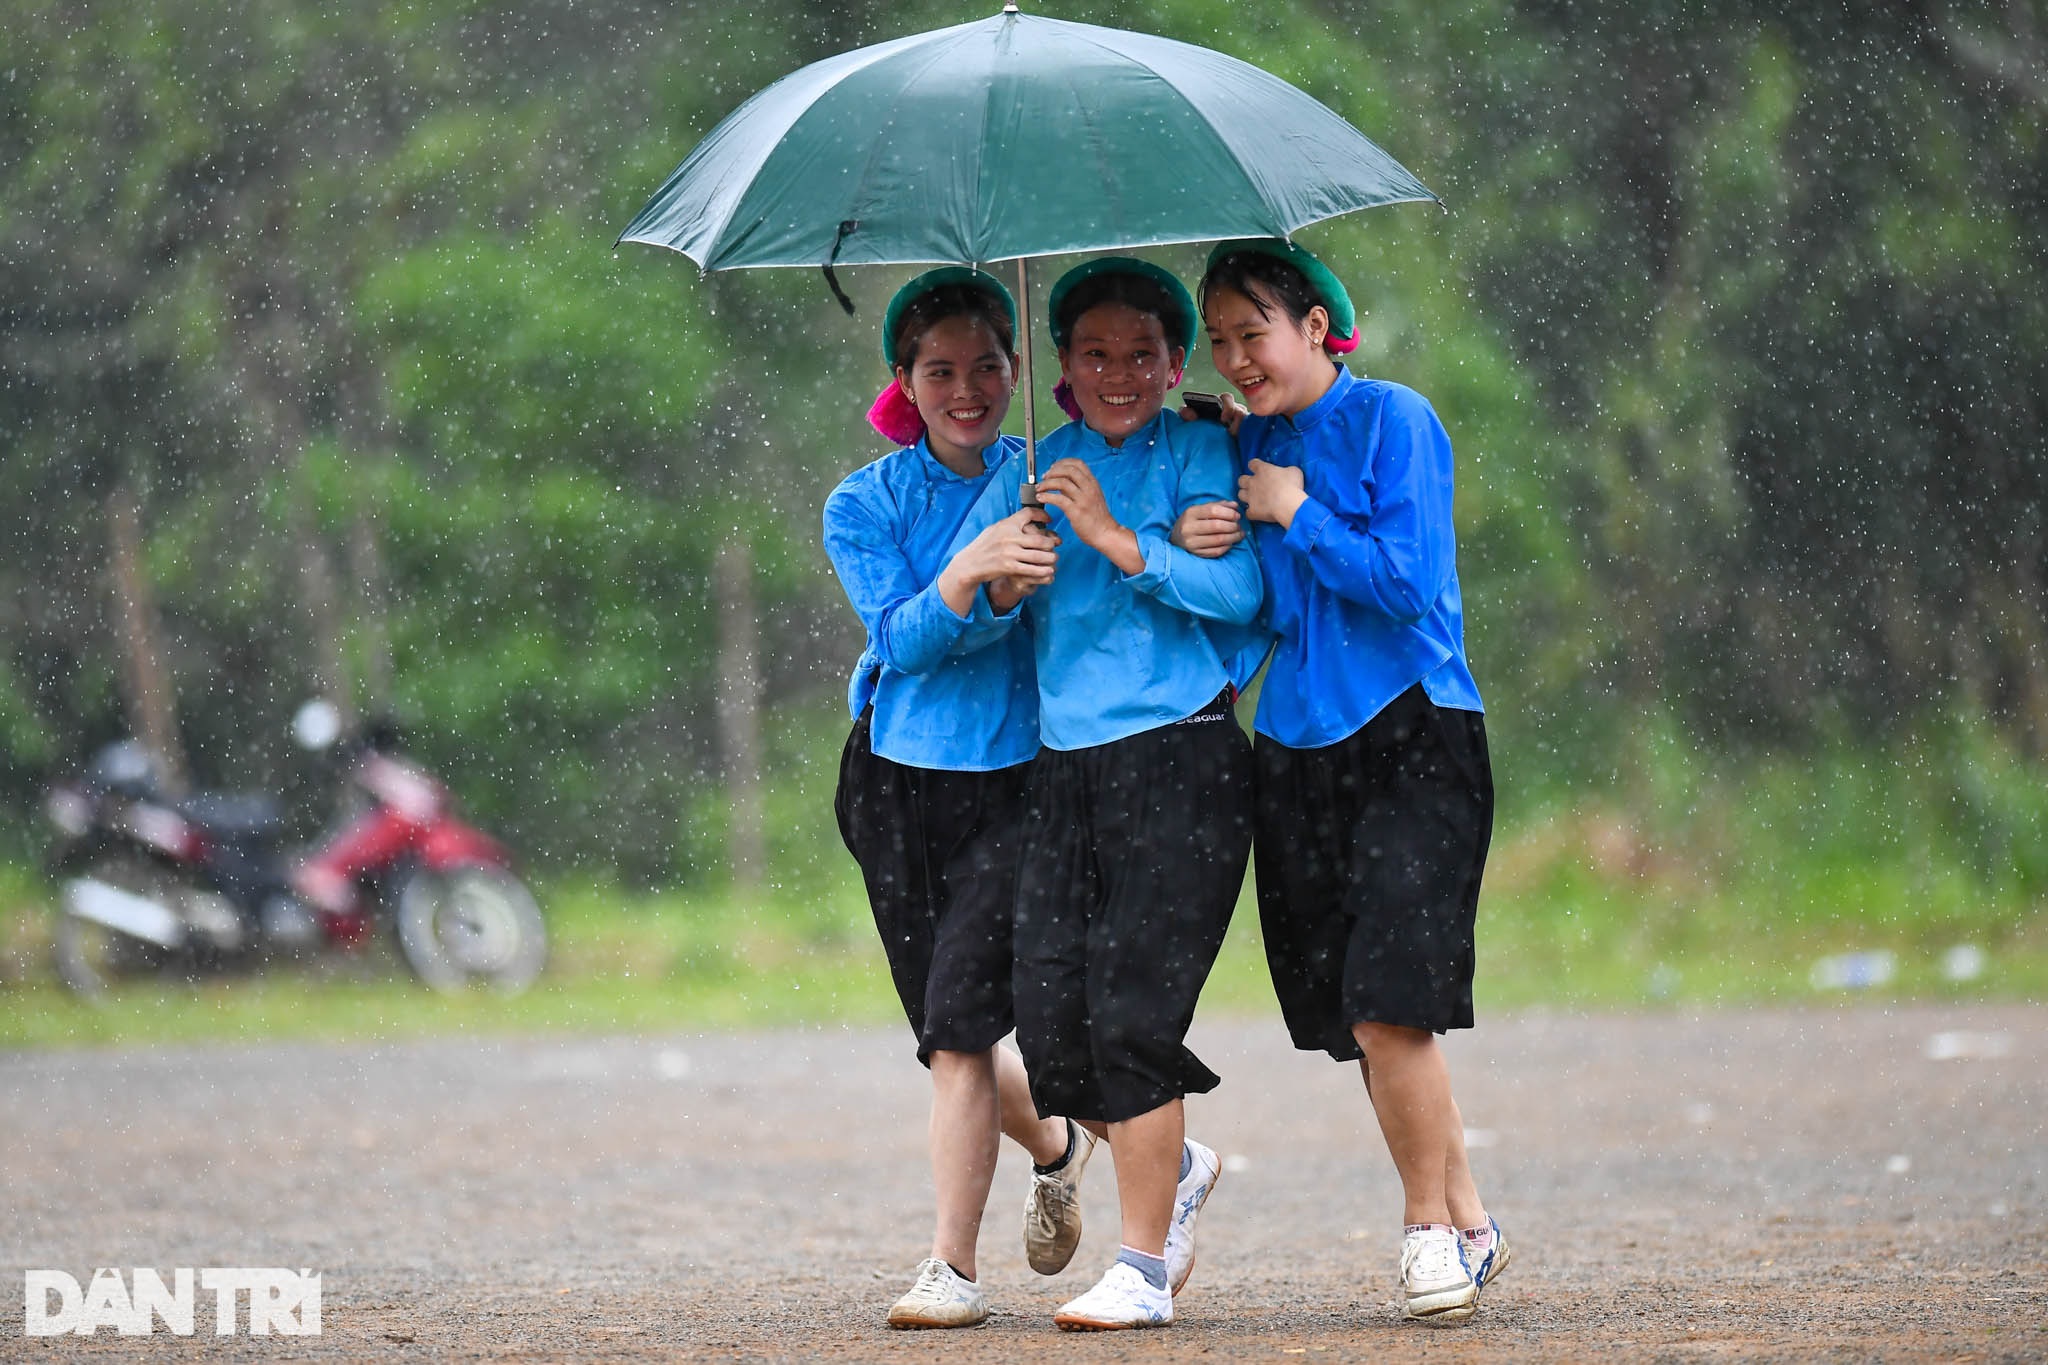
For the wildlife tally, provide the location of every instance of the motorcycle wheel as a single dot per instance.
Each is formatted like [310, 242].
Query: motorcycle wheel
[469, 926]
[91, 959]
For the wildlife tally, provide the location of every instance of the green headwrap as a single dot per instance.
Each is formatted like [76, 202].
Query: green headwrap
[1327, 288]
[1180, 331]
[939, 279]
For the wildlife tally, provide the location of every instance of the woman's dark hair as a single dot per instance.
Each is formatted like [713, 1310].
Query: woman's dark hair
[1133, 291]
[1263, 279]
[951, 301]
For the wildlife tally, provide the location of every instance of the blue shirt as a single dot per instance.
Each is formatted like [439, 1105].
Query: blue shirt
[1362, 587]
[1118, 655]
[945, 695]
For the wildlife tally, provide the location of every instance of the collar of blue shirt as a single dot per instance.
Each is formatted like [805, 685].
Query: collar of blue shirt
[1327, 404]
[990, 458]
[1094, 447]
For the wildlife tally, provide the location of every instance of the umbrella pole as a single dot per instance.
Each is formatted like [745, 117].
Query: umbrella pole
[1030, 490]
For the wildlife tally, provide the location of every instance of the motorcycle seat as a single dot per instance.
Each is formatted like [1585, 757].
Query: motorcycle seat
[233, 814]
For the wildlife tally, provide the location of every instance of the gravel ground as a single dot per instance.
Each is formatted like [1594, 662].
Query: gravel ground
[1853, 1184]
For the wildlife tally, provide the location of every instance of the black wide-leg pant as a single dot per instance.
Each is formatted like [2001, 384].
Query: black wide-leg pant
[1133, 857]
[938, 852]
[1370, 853]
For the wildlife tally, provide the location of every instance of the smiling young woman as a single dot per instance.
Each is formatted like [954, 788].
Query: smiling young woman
[932, 782]
[1137, 825]
[1373, 788]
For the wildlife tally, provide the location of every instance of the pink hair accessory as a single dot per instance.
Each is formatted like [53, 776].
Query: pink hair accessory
[1337, 345]
[895, 416]
[1063, 394]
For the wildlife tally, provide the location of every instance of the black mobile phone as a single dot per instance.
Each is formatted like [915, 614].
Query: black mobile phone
[1206, 406]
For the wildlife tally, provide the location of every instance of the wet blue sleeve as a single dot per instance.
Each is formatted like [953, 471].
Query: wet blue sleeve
[910, 627]
[1397, 557]
[998, 500]
[1223, 589]
[984, 626]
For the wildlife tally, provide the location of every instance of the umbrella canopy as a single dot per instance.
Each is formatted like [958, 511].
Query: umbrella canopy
[1014, 136]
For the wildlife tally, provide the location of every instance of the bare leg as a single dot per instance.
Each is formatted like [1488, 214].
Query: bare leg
[1147, 1152]
[964, 1137]
[1045, 1139]
[1460, 1192]
[1409, 1084]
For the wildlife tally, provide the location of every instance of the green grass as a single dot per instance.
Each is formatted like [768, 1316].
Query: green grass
[619, 963]
[1694, 881]
[1683, 885]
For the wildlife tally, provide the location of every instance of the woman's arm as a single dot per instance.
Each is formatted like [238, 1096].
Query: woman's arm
[992, 606]
[1071, 486]
[1227, 587]
[1397, 557]
[1011, 551]
[910, 625]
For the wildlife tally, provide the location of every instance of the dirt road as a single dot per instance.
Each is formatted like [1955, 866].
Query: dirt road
[1861, 1184]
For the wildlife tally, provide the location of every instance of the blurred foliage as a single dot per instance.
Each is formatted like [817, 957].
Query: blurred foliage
[1737, 316]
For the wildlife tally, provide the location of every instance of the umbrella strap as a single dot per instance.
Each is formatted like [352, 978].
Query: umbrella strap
[846, 225]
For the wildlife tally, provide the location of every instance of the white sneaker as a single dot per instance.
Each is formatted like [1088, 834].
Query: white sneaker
[1490, 1266]
[1204, 1170]
[1434, 1277]
[1052, 1209]
[940, 1298]
[1121, 1299]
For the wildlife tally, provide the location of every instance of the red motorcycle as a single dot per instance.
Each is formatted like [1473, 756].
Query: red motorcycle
[154, 885]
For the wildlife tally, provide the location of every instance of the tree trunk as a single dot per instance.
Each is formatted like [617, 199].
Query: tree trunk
[152, 707]
[739, 709]
[2026, 650]
[318, 596]
[366, 566]
[277, 388]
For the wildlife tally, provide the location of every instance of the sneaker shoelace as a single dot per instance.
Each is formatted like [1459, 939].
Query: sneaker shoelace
[1125, 1281]
[1049, 1201]
[1433, 1260]
[933, 1284]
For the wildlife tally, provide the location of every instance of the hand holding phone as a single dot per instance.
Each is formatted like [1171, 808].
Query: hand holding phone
[1205, 406]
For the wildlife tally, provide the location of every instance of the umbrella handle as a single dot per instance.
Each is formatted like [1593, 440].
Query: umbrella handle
[1027, 499]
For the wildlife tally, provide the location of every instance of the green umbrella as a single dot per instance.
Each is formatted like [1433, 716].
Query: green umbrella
[1008, 138]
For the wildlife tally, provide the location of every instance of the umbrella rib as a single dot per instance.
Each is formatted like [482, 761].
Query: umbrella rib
[880, 147]
[846, 66]
[1086, 33]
